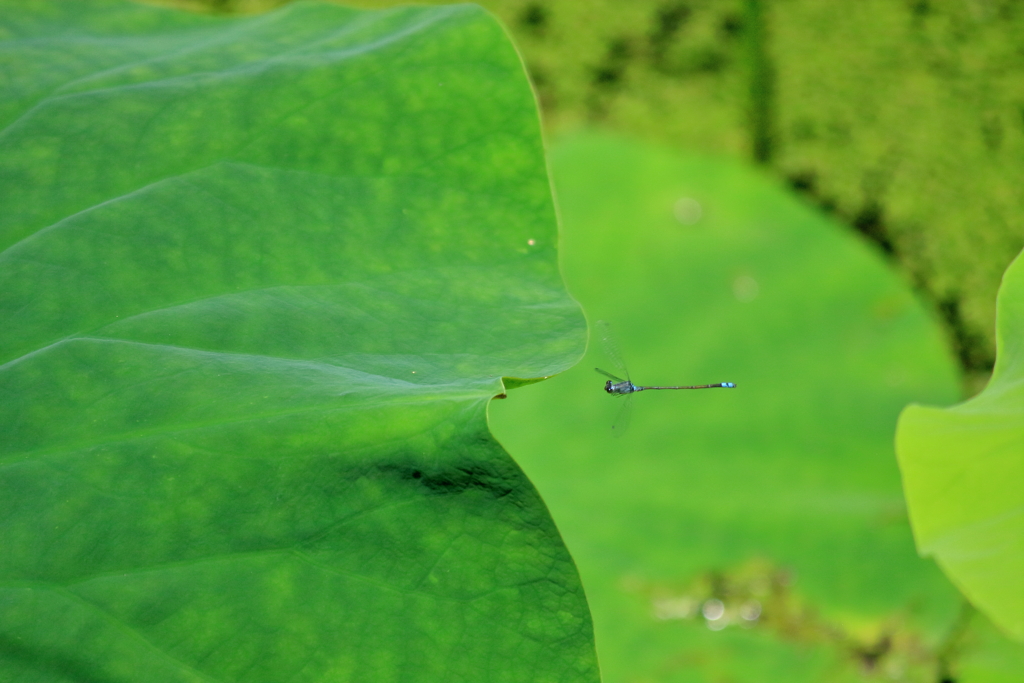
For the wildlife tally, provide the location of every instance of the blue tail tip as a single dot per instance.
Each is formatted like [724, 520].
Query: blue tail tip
[729, 385]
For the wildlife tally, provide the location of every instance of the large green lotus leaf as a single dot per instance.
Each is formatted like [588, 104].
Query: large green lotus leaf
[963, 470]
[783, 492]
[259, 279]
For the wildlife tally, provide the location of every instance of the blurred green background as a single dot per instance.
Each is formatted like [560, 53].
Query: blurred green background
[902, 118]
[885, 130]
[755, 534]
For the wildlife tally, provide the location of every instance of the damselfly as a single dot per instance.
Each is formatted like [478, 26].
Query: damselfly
[618, 386]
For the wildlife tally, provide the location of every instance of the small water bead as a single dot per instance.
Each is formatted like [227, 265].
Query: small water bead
[687, 211]
[713, 609]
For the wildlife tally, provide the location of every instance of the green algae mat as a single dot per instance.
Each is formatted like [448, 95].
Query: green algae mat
[259, 278]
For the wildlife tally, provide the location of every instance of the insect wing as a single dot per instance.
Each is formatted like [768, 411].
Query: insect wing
[609, 375]
[611, 347]
[622, 419]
